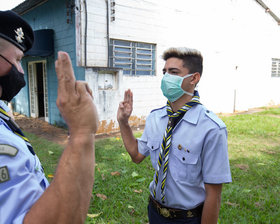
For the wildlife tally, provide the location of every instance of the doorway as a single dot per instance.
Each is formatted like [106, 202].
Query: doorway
[38, 91]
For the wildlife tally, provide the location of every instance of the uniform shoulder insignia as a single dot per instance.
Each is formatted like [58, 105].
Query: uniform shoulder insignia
[8, 150]
[215, 118]
[4, 174]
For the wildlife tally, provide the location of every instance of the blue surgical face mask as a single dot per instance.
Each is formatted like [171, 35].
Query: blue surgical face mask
[171, 86]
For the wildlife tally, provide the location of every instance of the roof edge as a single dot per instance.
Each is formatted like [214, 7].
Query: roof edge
[27, 5]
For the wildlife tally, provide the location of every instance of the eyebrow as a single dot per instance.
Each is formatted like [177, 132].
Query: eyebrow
[171, 69]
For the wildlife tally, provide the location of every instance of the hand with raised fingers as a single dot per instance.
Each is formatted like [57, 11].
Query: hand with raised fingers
[74, 99]
[125, 107]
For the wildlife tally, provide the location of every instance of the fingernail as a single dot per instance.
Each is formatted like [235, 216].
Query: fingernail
[61, 55]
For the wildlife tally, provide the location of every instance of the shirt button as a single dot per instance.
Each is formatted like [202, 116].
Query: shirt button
[179, 147]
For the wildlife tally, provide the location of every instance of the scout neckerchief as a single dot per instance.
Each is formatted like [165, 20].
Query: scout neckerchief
[166, 143]
[15, 128]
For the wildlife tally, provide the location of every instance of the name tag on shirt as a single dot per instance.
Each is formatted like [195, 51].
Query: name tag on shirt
[8, 150]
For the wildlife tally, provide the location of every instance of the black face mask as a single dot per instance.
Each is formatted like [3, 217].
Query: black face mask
[11, 83]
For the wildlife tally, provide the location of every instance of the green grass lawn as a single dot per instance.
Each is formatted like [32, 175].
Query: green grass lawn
[120, 192]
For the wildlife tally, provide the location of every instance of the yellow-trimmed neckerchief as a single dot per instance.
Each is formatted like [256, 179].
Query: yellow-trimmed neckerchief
[15, 128]
[166, 142]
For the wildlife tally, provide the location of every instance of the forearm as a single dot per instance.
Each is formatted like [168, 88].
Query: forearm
[67, 198]
[211, 209]
[130, 142]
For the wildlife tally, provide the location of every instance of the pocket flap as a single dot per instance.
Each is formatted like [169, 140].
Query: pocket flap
[187, 158]
[191, 158]
[153, 144]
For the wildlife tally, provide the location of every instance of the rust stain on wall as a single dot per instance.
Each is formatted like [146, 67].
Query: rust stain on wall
[135, 121]
[106, 127]
[110, 127]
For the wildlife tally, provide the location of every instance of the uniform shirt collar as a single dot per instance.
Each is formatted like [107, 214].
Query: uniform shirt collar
[190, 116]
[193, 114]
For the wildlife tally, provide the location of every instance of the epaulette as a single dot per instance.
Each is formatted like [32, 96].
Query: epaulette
[157, 109]
[215, 118]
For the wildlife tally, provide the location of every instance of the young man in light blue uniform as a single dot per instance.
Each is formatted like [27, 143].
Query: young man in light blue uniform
[187, 145]
[25, 194]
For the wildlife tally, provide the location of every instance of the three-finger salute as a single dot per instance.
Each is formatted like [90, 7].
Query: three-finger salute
[74, 100]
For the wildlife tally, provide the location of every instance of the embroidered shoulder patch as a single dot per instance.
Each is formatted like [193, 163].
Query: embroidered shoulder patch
[8, 150]
[4, 174]
[215, 118]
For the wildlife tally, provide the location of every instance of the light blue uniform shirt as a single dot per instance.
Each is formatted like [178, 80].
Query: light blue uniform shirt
[4, 106]
[22, 180]
[198, 155]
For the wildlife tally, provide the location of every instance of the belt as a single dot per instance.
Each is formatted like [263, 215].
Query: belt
[173, 213]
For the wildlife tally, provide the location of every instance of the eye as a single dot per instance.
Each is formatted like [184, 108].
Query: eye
[174, 73]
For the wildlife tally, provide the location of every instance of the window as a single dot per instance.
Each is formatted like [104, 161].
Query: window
[133, 57]
[275, 67]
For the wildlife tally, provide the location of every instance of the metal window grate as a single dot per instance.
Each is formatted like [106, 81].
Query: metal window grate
[275, 67]
[133, 57]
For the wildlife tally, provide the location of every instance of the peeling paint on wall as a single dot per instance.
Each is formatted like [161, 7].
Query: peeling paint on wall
[107, 127]
[135, 121]
[110, 127]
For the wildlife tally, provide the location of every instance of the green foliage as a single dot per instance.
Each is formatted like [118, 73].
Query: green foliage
[270, 111]
[48, 152]
[252, 197]
[254, 151]
[123, 204]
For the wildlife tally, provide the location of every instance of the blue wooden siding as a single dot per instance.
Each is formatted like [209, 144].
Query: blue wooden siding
[21, 101]
[50, 15]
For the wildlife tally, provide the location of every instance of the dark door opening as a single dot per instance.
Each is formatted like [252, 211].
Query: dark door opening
[40, 89]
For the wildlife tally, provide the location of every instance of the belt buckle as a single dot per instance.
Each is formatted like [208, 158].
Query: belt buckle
[189, 214]
[164, 212]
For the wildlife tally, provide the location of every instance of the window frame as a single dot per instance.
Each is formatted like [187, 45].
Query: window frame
[135, 58]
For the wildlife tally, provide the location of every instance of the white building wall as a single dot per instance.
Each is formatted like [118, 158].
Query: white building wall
[236, 37]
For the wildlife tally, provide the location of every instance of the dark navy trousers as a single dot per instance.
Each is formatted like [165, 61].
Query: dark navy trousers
[155, 218]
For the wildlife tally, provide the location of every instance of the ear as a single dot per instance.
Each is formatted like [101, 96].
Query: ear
[195, 78]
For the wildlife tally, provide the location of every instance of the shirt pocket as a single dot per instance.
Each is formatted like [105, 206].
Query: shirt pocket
[154, 147]
[186, 166]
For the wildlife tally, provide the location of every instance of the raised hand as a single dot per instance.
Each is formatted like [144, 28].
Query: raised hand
[74, 99]
[125, 107]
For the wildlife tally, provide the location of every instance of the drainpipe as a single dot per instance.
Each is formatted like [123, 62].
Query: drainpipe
[108, 32]
[85, 36]
[268, 10]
